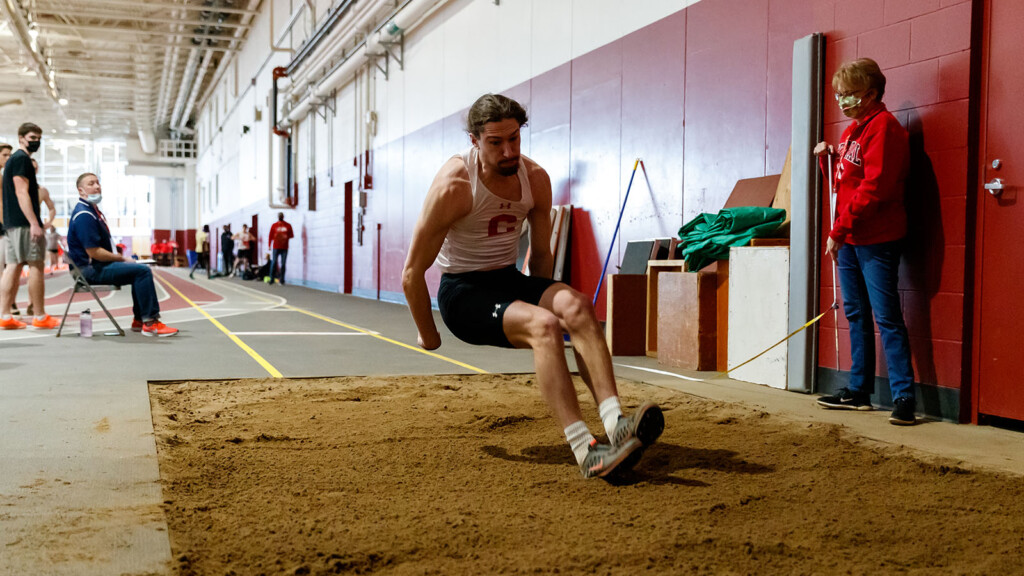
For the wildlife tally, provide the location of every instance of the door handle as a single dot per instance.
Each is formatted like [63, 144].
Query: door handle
[995, 187]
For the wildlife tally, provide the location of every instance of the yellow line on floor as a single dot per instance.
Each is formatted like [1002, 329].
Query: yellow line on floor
[386, 339]
[255, 356]
[259, 296]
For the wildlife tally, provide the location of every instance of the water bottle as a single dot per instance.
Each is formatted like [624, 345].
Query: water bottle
[85, 323]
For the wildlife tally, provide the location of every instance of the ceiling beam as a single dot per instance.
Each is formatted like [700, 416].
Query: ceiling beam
[44, 27]
[122, 17]
[110, 39]
[157, 6]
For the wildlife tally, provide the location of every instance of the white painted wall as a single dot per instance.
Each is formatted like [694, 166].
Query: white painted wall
[465, 48]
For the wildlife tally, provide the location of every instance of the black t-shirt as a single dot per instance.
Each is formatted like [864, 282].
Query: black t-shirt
[227, 245]
[19, 164]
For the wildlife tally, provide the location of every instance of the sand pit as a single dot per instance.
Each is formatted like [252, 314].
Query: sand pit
[470, 475]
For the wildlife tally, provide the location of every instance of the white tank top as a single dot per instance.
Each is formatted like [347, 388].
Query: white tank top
[488, 237]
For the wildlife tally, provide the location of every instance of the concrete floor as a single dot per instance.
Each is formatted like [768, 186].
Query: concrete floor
[80, 492]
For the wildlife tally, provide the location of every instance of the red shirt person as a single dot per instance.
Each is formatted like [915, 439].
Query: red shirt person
[866, 239]
[280, 234]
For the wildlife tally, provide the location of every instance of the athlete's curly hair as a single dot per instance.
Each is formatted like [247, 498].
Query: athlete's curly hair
[493, 108]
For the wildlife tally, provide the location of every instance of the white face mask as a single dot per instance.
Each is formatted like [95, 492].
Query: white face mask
[94, 198]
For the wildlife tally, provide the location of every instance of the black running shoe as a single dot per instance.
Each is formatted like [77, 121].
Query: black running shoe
[602, 459]
[846, 399]
[903, 412]
[646, 425]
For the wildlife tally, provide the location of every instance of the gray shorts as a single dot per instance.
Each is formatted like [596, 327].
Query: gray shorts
[3, 251]
[21, 248]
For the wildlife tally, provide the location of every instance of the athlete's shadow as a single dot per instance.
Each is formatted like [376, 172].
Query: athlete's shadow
[658, 466]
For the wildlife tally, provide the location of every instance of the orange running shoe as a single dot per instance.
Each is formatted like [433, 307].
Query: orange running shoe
[158, 329]
[11, 324]
[136, 325]
[45, 323]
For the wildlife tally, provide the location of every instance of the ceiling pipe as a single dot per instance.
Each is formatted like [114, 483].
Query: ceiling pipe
[279, 72]
[406, 18]
[170, 63]
[197, 84]
[334, 16]
[360, 18]
[340, 41]
[184, 87]
[223, 65]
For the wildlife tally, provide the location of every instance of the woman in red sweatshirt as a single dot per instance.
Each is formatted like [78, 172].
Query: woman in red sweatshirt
[871, 167]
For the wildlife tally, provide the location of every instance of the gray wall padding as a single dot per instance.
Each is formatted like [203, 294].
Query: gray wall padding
[805, 233]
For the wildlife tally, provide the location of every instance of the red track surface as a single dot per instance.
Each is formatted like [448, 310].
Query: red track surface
[55, 304]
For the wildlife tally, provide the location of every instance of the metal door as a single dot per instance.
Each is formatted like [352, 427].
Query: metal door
[1000, 262]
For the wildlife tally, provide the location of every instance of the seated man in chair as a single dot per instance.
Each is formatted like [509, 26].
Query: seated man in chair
[91, 249]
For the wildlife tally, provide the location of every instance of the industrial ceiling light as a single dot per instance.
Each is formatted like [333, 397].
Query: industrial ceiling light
[63, 101]
[71, 122]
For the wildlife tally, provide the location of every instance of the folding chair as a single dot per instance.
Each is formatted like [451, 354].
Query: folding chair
[82, 285]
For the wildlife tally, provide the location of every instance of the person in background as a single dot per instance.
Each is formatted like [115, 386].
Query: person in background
[202, 251]
[280, 234]
[872, 162]
[227, 249]
[5, 153]
[91, 249]
[51, 214]
[53, 247]
[26, 241]
[244, 240]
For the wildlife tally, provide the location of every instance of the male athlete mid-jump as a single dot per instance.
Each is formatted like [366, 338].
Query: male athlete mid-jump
[471, 222]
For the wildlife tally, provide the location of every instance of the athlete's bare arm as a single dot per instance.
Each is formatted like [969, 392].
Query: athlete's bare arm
[541, 260]
[449, 199]
[44, 198]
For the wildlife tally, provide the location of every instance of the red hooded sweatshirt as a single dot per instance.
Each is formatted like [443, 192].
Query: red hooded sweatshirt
[872, 166]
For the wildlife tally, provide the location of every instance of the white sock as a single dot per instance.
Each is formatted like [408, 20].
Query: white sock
[610, 412]
[5, 317]
[579, 438]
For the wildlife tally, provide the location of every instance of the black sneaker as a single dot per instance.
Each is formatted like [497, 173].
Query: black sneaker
[646, 425]
[846, 399]
[903, 412]
[603, 459]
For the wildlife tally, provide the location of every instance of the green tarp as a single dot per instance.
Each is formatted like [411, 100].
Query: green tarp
[709, 236]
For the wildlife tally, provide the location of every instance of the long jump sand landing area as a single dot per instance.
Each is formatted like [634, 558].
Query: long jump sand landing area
[470, 475]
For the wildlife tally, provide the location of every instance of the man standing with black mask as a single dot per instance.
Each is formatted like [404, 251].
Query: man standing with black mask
[26, 239]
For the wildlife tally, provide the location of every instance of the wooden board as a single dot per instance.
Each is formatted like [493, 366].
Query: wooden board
[722, 325]
[564, 229]
[687, 320]
[759, 313]
[634, 261]
[654, 268]
[625, 329]
[758, 192]
[783, 193]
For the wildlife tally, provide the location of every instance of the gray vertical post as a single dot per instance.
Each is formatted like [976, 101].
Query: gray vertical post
[805, 210]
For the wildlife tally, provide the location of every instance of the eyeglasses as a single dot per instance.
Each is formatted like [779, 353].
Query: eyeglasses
[840, 95]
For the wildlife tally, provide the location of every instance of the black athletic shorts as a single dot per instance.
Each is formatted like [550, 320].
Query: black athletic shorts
[473, 303]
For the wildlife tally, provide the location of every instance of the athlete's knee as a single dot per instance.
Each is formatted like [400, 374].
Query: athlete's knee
[544, 328]
[576, 309]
